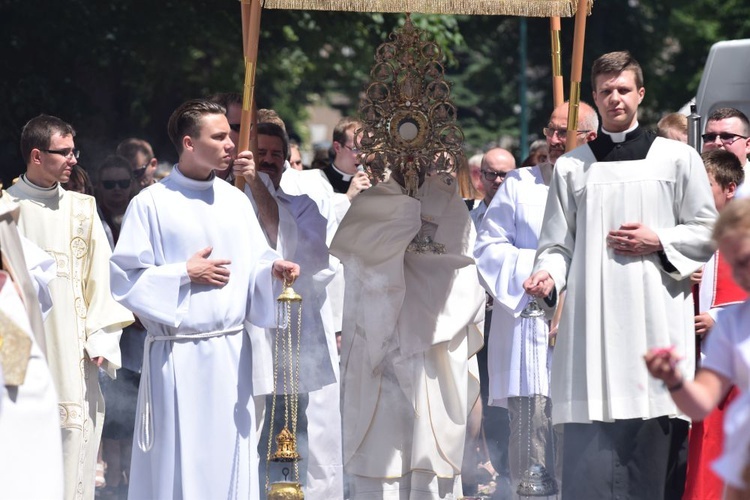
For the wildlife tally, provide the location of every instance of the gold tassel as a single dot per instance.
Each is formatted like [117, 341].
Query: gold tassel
[529, 8]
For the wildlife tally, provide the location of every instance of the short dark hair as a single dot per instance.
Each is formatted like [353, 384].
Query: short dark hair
[226, 98]
[185, 120]
[38, 131]
[616, 62]
[725, 113]
[724, 166]
[268, 128]
[271, 116]
[115, 161]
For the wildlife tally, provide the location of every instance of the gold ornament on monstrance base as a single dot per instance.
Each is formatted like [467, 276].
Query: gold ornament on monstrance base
[286, 369]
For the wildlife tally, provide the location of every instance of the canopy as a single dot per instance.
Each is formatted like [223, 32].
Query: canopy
[554, 9]
[530, 8]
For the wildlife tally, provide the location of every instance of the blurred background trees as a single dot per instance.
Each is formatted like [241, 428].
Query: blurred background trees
[118, 69]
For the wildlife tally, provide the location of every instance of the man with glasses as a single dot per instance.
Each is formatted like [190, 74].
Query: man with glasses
[628, 220]
[518, 356]
[83, 329]
[140, 154]
[342, 173]
[496, 163]
[729, 128]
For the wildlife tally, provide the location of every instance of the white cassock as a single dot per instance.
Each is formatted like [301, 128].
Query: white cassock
[31, 463]
[413, 322]
[618, 307]
[506, 245]
[203, 430]
[302, 234]
[84, 323]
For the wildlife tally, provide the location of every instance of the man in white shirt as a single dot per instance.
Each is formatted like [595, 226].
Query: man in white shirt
[496, 163]
[83, 329]
[301, 236]
[628, 220]
[729, 128]
[194, 265]
[519, 349]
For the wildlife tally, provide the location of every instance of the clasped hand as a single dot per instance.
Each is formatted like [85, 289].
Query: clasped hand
[633, 238]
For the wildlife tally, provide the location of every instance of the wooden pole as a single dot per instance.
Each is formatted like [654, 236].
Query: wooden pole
[251, 10]
[558, 90]
[575, 73]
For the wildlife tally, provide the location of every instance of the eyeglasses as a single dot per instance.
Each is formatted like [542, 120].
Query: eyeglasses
[353, 150]
[138, 172]
[561, 132]
[122, 184]
[235, 127]
[491, 176]
[725, 137]
[68, 153]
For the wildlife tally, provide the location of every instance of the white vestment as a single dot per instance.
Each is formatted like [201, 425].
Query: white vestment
[413, 322]
[201, 390]
[84, 323]
[517, 364]
[333, 206]
[618, 307]
[30, 447]
[302, 239]
[477, 214]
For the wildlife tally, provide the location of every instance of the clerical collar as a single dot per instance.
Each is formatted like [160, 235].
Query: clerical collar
[344, 177]
[41, 192]
[620, 136]
[189, 183]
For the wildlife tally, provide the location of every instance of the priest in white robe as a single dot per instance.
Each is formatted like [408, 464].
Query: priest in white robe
[193, 264]
[301, 233]
[83, 329]
[412, 325]
[628, 220]
[520, 349]
[31, 463]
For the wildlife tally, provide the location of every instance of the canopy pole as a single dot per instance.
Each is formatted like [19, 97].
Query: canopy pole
[575, 73]
[558, 90]
[250, 34]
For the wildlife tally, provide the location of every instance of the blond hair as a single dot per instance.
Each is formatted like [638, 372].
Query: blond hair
[734, 218]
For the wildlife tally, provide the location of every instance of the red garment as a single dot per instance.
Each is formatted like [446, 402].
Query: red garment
[706, 437]
[726, 290]
[704, 446]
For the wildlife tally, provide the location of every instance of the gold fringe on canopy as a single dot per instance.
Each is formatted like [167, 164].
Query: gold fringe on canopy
[528, 8]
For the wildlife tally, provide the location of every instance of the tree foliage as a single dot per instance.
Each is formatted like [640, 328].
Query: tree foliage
[118, 69]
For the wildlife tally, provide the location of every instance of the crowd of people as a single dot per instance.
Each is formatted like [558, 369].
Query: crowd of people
[583, 319]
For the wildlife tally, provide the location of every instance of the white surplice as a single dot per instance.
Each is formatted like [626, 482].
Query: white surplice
[413, 322]
[84, 323]
[203, 412]
[302, 234]
[507, 239]
[618, 307]
[31, 463]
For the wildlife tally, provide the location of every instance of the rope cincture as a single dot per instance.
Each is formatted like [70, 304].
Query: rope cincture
[145, 425]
